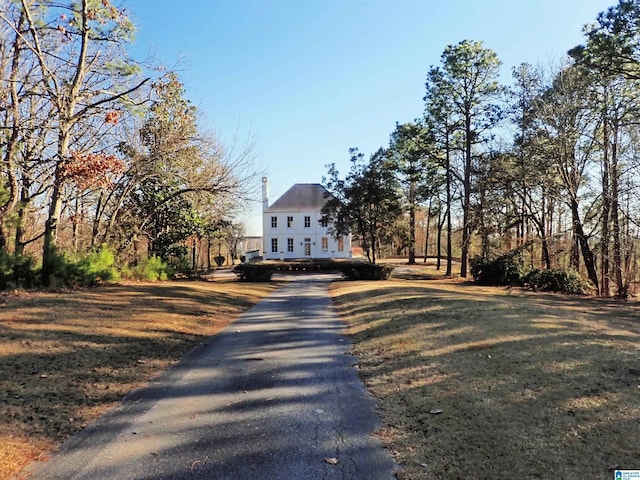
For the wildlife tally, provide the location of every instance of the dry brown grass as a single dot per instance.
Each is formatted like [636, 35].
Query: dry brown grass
[65, 358]
[529, 385]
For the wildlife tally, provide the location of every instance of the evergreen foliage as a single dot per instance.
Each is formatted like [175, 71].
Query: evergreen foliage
[354, 270]
[366, 271]
[18, 271]
[555, 280]
[152, 269]
[254, 272]
[367, 202]
[505, 270]
[509, 270]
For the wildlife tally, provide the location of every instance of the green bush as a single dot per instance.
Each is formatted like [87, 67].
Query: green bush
[126, 271]
[178, 259]
[555, 280]
[262, 272]
[365, 271]
[86, 271]
[67, 272]
[18, 271]
[153, 269]
[505, 270]
[98, 266]
[254, 272]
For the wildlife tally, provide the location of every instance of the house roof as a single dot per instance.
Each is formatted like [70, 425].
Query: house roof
[301, 196]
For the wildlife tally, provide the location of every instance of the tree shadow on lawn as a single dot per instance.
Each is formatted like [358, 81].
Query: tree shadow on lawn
[536, 385]
[281, 394]
[218, 440]
[67, 357]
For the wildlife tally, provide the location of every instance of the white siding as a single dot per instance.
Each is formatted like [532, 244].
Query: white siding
[299, 233]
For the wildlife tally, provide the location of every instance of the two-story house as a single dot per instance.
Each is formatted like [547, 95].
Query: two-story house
[292, 226]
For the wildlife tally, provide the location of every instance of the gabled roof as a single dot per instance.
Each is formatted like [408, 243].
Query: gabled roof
[302, 196]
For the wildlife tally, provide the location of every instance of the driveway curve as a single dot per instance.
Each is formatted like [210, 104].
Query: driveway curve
[274, 396]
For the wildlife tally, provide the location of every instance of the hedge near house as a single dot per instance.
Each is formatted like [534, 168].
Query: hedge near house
[254, 272]
[262, 272]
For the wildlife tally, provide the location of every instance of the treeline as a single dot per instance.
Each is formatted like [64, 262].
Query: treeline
[549, 161]
[100, 151]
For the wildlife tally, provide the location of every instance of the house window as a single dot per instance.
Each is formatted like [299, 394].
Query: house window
[289, 222]
[289, 245]
[341, 244]
[274, 222]
[274, 245]
[307, 222]
[325, 244]
[324, 222]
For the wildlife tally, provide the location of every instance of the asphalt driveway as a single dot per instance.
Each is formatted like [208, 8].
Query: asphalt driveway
[274, 396]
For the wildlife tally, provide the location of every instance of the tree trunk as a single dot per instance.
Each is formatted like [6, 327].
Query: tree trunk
[51, 231]
[426, 234]
[549, 232]
[606, 203]
[545, 253]
[466, 205]
[546, 258]
[449, 270]
[441, 223]
[66, 103]
[75, 226]
[574, 260]
[484, 231]
[581, 239]
[55, 210]
[621, 288]
[95, 229]
[3, 238]
[412, 224]
[12, 140]
[371, 252]
[194, 258]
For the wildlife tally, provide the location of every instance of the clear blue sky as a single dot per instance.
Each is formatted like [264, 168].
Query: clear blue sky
[312, 78]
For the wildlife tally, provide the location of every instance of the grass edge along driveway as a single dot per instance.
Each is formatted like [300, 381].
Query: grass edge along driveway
[481, 382]
[67, 357]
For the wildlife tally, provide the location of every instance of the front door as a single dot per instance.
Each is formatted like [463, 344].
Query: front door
[307, 247]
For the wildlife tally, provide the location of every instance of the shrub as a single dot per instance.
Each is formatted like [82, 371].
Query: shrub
[98, 266]
[85, 271]
[152, 268]
[262, 272]
[63, 271]
[219, 259]
[254, 272]
[507, 269]
[177, 258]
[18, 271]
[126, 271]
[555, 280]
[365, 271]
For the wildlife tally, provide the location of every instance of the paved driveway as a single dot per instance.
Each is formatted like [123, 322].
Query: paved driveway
[275, 396]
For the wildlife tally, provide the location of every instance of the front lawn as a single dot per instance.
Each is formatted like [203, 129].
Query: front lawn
[66, 357]
[486, 383]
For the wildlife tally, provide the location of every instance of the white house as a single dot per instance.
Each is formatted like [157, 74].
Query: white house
[292, 227]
